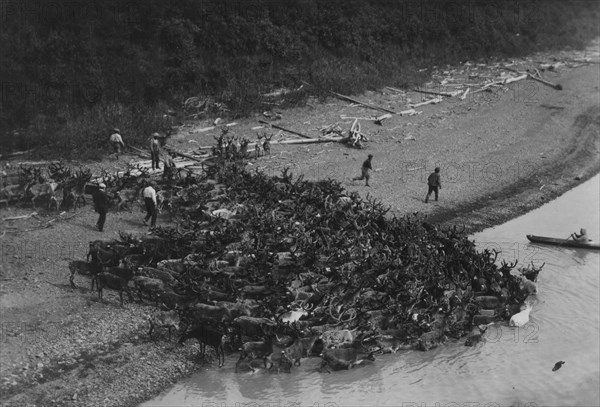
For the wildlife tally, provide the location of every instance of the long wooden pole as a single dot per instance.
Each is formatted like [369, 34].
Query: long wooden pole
[284, 129]
[428, 92]
[185, 155]
[344, 97]
[552, 85]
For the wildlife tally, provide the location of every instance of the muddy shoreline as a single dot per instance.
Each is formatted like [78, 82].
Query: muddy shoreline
[65, 348]
[578, 163]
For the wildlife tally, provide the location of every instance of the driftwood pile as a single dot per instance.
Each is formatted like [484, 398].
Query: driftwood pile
[309, 260]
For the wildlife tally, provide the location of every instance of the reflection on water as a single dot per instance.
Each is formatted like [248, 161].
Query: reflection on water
[512, 367]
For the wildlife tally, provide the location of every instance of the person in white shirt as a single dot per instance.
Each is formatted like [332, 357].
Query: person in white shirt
[117, 142]
[155, 151]
[149, 195]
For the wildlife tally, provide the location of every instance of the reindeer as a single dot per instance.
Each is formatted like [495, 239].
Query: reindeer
[82, 177]
[267, 144]
[12, 192]
[59, 172]
[42, 190]
[244, 147]
[257, 146]
[74, 190]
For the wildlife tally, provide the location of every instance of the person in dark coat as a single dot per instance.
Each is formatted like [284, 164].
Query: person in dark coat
[365, 171]
[155, 151]
[169, 167]
[434, 183]
[101, 206]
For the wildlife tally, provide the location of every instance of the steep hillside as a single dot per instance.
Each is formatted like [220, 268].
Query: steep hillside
[71, 70]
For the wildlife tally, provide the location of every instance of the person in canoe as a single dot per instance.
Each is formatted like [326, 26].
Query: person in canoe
[581, 236]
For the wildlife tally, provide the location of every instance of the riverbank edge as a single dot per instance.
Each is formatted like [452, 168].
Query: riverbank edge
[578, 162]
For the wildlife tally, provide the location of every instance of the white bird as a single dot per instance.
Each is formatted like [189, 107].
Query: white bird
[522, 317]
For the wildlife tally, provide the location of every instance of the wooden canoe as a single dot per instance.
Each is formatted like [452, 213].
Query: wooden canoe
[564, 242]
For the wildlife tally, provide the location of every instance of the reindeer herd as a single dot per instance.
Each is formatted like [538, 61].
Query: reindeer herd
[235, 147]
[219, 319]
[282, 269]
[59, 187]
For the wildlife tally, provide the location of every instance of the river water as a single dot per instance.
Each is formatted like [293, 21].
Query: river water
[513, 367]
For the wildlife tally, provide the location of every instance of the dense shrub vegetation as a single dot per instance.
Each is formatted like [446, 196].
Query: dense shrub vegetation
[71, 70]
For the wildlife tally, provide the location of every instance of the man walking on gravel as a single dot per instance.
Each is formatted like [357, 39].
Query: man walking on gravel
[101, 206]
[149, 194]
[155, 151]
[365, 171]
[434, 183]
[117, 142]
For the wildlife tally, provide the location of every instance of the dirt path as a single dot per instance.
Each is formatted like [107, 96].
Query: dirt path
[500, 156]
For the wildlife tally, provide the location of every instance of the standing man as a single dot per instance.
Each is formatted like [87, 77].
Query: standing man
[149, 194]
[101, 206]
[117, 142]
[169, 167]
[365, 171]
[435, 183]
[155, 151]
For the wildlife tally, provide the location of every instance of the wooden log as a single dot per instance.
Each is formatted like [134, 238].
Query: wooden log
[582, 61]
[284, 129]
[394, 89]
[311, 140]
[205, 129]
[428, 102]
[501, 82]
[409, 112]
[15, 154]
[513, 70]
[446, 94]
[20, 217]
[485, 88]
[464, 95]
[514, 79]
[379, 120]
[140, 152]
[185, 155]
[344, 97]
[344, 117]
[552, 85]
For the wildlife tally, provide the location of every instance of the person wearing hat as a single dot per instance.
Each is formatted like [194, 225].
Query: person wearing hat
[149, 195]
[365, 171]
[155, 151]
[101, 206]
[434, 184]
[117, 142]
[581, 237]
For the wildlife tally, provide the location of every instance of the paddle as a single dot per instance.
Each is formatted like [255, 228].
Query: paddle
[566, 240]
